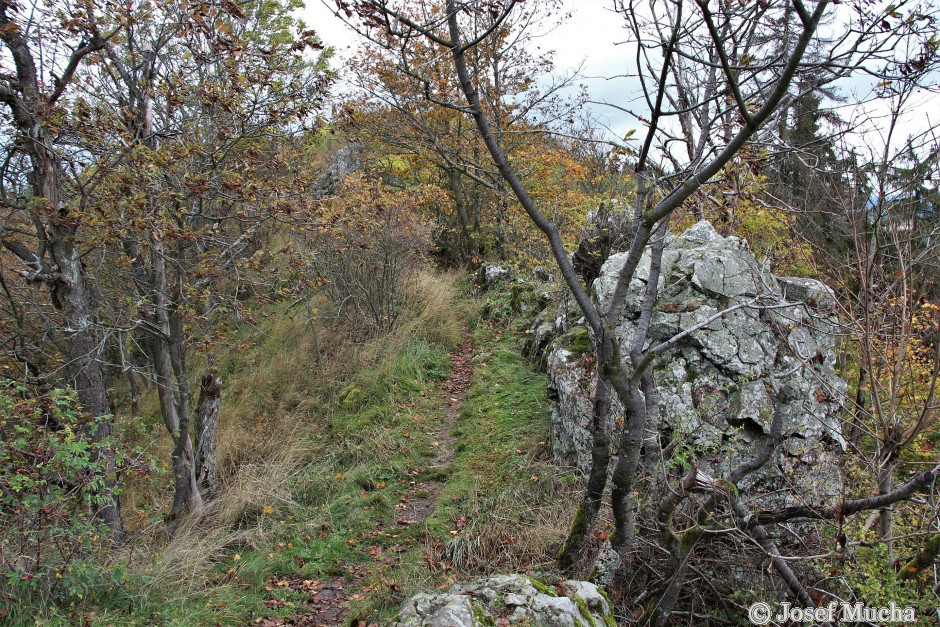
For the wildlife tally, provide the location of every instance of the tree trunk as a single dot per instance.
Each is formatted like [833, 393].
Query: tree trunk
[176, 414]
[886, 515]
[924, 559]
[464, 244]
[207, 422]
[56, 232]
[185, 495]
[586, 516]
[624, 477]
[71, 295]
[856, 426]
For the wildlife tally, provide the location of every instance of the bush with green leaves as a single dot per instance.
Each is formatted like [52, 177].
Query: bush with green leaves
[51, 485]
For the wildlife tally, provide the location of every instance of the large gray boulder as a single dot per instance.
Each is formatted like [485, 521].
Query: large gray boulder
[510, 600]
[715, 386]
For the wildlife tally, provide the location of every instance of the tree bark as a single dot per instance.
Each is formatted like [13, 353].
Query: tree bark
[71, 295]
[680, 545]
[175, 415]
[924, 559]
[886, 515]
[856, 425]
[207, 422]
[766, 542]
[584, 519]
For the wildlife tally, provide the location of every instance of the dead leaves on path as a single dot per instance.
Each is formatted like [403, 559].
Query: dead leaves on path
[461, 370]
[324, 605]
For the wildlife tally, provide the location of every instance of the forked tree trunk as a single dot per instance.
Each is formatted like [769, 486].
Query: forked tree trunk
[176, 414]
[625, 378]
[586, 516]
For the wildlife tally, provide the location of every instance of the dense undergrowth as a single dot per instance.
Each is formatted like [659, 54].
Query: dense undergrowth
[320, 438]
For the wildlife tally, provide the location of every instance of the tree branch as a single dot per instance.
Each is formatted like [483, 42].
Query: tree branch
[847, 508]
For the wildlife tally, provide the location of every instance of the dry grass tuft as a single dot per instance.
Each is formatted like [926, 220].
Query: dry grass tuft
[261, 484]
[518, 531]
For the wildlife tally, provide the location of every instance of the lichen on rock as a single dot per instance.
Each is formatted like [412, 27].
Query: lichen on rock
[511, 599]
[715, 385]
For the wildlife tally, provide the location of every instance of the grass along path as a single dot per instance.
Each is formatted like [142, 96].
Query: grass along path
[418, 505]
[326, 603]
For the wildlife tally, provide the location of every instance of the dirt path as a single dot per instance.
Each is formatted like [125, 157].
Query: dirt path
[418, 505]
[327, 601]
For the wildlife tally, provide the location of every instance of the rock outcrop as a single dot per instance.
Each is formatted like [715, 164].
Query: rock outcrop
[510, 600]
[715, 386]
[604, 231]
[346, 161]
[490, 274]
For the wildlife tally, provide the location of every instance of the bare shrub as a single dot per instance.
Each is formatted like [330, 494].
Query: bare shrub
[366, 255]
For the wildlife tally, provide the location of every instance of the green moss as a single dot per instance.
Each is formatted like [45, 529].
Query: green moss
[351, 397]
[519, 294]
[542, 588]
[481, 616]
[565, 559]
[578, 341]
[688, 539]
[924, 558]
[609, 620]
[648, 614]
[584, 611]
[610, 604]
[727, 487]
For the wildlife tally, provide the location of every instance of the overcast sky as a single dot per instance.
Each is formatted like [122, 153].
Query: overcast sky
[589, 36]
[594, 35]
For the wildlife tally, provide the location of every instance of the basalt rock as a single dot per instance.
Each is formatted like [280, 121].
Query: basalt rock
[716, 385]
[607, 229]
[491, 274]
[346, 161]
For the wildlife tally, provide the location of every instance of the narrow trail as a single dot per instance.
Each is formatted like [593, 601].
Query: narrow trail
[418, 505]
[326, 603]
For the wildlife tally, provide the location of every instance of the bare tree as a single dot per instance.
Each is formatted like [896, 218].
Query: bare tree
[884, 267]
[713, 77]
[197, 187]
